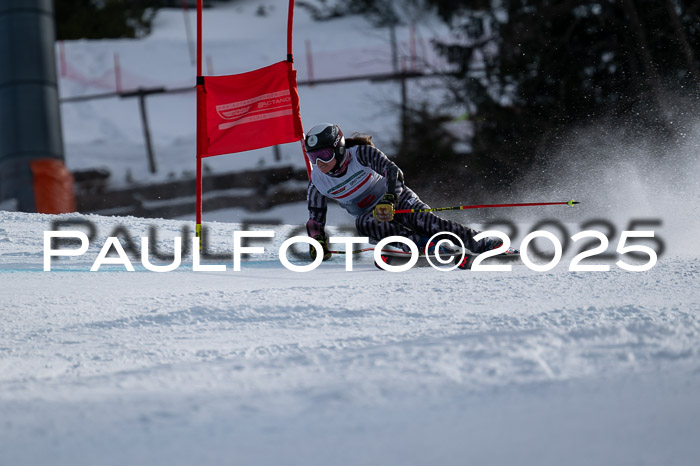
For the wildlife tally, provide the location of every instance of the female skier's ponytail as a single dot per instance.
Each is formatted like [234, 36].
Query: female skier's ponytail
[358, 139]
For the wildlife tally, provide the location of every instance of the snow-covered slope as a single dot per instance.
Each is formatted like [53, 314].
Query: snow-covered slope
[268, 366]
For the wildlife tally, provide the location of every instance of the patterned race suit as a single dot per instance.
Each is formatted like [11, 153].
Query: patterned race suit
[369, 175]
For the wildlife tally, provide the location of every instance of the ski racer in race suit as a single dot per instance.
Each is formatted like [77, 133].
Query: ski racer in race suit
[370, 187]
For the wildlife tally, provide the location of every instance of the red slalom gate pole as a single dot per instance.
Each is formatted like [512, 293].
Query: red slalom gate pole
[201, 125]
[484, 206]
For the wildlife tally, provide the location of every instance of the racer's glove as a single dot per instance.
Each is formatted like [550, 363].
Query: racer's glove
[323, 240]
[384, 210]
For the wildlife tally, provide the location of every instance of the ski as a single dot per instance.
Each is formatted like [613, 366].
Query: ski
[397, 257]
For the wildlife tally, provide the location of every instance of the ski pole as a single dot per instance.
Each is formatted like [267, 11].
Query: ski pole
[484, 206]
[352, 252]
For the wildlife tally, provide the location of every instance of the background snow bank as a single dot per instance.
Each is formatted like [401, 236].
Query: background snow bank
[108, 133]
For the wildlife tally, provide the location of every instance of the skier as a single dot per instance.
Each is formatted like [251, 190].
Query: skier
[370, 187]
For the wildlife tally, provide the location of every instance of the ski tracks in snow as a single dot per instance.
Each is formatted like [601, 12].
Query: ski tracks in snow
[272, 331]
[109, 364]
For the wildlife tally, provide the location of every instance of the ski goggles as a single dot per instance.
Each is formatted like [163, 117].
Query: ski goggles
[324, 155]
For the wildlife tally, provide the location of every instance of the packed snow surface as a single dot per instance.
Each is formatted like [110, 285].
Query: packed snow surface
[269, 366]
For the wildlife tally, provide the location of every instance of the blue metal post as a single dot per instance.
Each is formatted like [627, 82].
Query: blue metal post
[30, 120]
